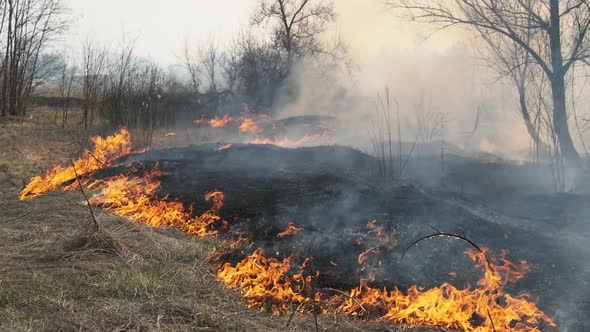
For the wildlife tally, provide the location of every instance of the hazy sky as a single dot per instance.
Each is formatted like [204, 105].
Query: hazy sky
[161, 27]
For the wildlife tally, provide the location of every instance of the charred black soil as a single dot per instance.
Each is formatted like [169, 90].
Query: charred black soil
[331, 193]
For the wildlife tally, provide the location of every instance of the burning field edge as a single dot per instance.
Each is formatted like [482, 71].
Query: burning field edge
[286, 283]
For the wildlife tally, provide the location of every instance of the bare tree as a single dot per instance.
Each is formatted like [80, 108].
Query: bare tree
[297, 24]
[553, 33]
[210, 58]
[511, 60]
[192, 64]
[66, 82]
[26, 26]
[94, 63]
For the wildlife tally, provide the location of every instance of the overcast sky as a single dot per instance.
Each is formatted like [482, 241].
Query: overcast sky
[161, 27]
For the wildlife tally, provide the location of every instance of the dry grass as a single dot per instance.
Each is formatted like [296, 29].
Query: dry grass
[55, 274]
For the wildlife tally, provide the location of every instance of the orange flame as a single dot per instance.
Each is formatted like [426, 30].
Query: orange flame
[290, 230]
[385, 240]
[218, 122]
[485, 308]
[106, 150]
[136, 198]
[265, 282]
[248, 125]
[271, 283]
[200, 120]
[364, 256]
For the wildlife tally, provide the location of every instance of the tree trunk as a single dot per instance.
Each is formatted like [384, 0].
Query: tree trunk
[560, 125]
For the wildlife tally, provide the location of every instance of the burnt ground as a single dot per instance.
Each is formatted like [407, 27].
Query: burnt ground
[332, 192]
[57, 275]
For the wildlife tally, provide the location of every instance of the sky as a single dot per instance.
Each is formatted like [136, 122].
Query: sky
[160, 28]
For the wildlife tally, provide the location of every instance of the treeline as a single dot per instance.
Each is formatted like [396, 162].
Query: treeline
[124, 88]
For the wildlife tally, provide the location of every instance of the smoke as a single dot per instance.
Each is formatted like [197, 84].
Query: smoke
[435, 79]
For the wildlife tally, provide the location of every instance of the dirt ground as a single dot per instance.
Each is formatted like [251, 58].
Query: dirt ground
[54, 276]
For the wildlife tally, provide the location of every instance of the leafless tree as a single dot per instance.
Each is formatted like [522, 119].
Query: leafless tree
[511, 60]
[26, 27]
[94, 63]
[296, 24]
[192, 64]
[210, 59]
[114, 99]
[252, 71]
[67, 79]
[553, 33]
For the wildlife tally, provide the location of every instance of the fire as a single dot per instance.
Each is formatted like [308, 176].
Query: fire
[364, 256]
[266, 282]
[290, 230]
[136, 198]
[248, 125]
[218, 122]
[273, 284]
[384, 239]
[106, 150]
[485, 308]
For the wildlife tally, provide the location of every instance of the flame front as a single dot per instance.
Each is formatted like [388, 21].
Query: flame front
[106, 150]
[136, 198]
[266, 282]
[485, 308]
[273, 284]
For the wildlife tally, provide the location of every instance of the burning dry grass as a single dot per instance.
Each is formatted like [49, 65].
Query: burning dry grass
[56, 274]
[268, 282]
[162, 284]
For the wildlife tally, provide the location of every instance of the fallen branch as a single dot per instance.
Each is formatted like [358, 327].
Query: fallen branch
[448, 235]
[459, 237]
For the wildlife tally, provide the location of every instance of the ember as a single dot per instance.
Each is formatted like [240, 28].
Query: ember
[224, 147]
[290, 230]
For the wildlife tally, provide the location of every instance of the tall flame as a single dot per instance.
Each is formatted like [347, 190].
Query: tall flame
[266, 282]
